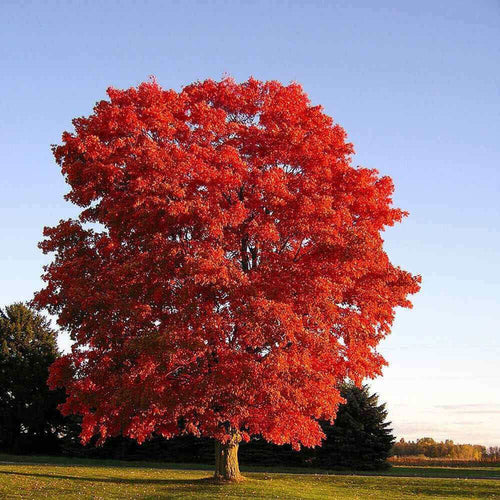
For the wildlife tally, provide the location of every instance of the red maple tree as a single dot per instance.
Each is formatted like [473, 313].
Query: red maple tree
[226, 271]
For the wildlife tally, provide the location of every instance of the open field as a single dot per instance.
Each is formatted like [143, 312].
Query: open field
[442, 462]
[23, 477]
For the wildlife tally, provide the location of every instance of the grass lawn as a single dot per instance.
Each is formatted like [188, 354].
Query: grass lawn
[61, 478]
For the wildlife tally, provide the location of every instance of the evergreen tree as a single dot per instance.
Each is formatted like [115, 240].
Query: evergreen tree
[360, 438]
[29, 419]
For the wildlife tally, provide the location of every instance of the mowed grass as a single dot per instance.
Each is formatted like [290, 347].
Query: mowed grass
[68, 479]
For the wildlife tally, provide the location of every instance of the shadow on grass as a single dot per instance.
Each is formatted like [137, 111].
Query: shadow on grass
[398, 471]
[95, 462]
[116, 480]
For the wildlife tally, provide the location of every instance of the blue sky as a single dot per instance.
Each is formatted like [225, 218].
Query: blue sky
[415, 85]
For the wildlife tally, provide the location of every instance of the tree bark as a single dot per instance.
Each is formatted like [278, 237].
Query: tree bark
[226, 460]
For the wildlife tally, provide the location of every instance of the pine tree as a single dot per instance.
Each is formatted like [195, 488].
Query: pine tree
[360, 438]
[29, 419]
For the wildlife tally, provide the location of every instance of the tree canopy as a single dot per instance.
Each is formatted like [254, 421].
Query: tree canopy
[227, 268]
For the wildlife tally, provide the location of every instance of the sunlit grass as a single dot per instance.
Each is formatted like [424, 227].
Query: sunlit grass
[68, 479]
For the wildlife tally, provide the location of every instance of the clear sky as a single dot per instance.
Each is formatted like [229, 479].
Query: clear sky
[415, 85]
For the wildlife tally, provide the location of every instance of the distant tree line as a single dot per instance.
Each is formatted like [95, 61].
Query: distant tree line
[31, 424]
[493, 453]
[430, 448]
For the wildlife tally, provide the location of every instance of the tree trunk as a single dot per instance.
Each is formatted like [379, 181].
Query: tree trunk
[226, 460]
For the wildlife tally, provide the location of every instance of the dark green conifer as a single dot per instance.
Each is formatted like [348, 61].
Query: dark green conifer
[29, 419]
[360, 438]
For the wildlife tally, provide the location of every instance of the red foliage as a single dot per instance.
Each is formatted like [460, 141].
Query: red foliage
[226, 271]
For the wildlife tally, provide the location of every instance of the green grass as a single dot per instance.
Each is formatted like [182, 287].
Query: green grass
[63, 478]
